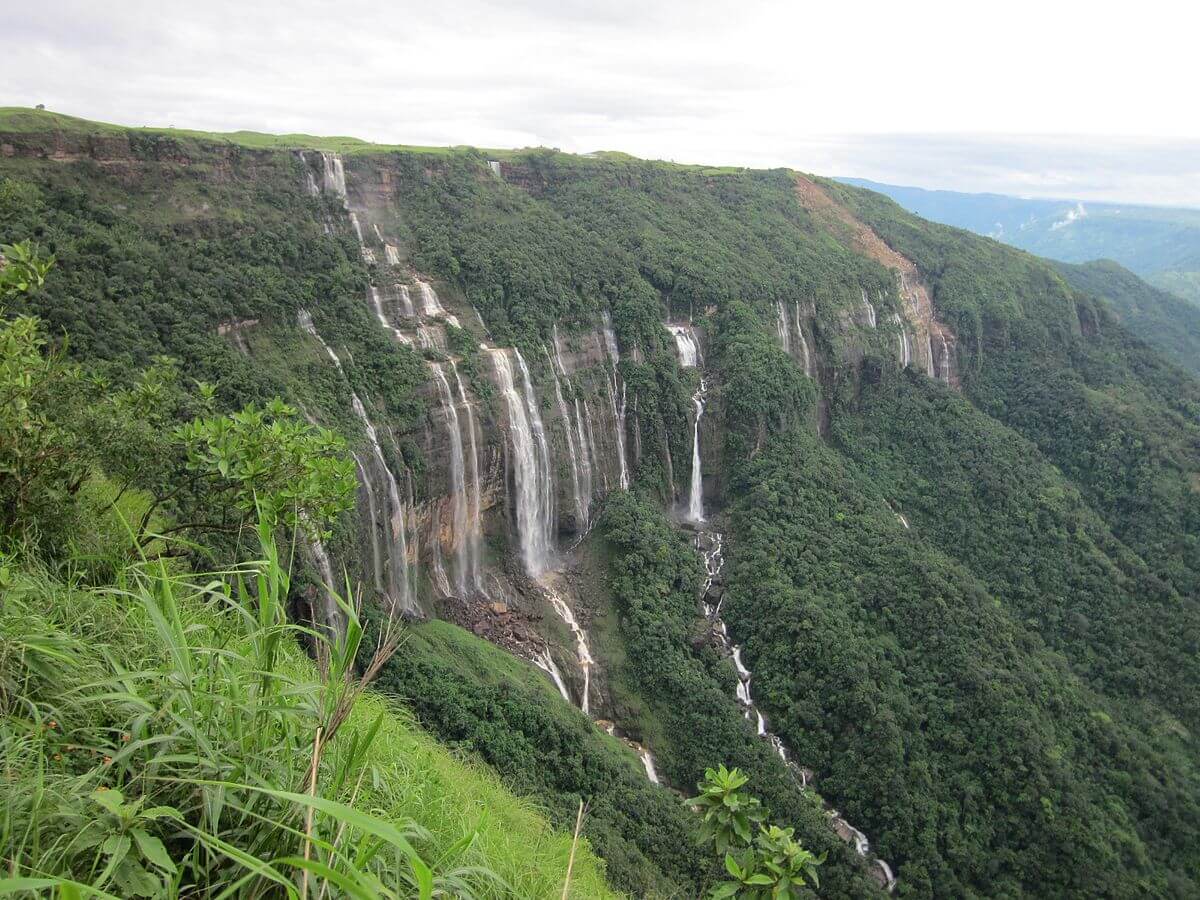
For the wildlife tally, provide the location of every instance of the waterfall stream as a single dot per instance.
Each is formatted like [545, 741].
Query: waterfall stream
[532, 478]
[648, 764]
[904, 342]
[695, 508]
[395, 553]
[331, 612]
[782, 327]
[869, 308]
[474, 535]
[710, 545]
[943, 367]
[335, 174]
[618, 410]
[545, 662]
[458, 483]
[580, 491]
[377, 304]
[582, 651]
[808, 365]
[686, 345]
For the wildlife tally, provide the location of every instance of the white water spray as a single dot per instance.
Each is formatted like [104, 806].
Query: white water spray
[474, 536]
[458, 481]
[532, 478]
[695, 510]
[618, 410]
[399, 588]
[686, 345]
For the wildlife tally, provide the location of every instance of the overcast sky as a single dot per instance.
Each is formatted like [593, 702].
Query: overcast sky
[1046, 98]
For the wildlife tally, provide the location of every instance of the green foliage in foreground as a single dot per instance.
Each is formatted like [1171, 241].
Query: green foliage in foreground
[156, 738]
[763, 860]
[162, 734]
[215, 474]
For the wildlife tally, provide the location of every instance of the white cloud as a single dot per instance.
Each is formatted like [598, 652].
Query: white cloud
[1073, 215]
[757, 83]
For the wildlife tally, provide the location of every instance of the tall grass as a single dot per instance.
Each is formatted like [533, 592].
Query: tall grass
[165, 737]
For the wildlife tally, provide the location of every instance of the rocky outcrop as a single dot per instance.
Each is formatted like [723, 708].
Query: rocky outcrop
[925, 341]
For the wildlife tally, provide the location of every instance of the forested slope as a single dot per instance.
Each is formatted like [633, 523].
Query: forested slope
[960, 502]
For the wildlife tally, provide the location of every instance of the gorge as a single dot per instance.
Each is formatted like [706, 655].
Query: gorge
[661, 467]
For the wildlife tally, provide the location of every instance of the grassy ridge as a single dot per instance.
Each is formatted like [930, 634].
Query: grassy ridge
[147, 690]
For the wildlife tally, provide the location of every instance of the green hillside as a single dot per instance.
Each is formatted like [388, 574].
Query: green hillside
[970, 602]
[1160, 244]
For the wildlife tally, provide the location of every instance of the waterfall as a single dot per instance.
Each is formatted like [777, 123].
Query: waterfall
[381, 315]
[399, 590]
[944, 363]
[310, 182]
[391, 254]
[430, 337]
[781, 327]
[902, 338]
[929, 349]
[591, 441]
[358, 234]
[584, 444]
[473, 537]
[335, 174]
[331, 612]
[637, 425]
[532, 478]
[430, 304]
[582, 651]
[648, 764]
[458, 482]
[586, 451]
[690, 358]
[545, 662]
[582, 492]
[695, 511]
[364, 478]
[533, 485]
[406, 301]
[614, 357]
[710, 545]
[870, 309]
[685, 344]
[808, 366]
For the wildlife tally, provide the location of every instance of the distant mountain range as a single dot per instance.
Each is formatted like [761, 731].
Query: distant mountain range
[1161, 244]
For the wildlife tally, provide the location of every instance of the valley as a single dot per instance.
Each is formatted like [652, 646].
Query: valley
[659, 467]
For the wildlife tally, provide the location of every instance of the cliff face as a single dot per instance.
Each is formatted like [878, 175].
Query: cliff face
[476, 509]
[137, 159]
[444, 507]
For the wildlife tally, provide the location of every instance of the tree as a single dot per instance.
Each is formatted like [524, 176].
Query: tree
[215, 474]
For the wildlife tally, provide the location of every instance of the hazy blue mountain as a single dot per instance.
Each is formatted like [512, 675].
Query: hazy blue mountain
[1160, 244]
